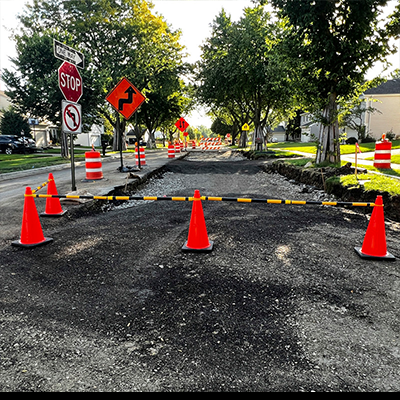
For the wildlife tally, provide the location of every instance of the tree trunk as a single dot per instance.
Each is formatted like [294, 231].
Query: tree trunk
[151, 143]
[258, 134]
[258, 138]
[243, 139]
[328, 140]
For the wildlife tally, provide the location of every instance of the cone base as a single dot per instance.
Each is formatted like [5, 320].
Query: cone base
[388, 256]
[208, 249]
[93, 179]
[18, 243]
[44, 214]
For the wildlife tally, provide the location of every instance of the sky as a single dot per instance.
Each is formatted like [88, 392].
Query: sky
[192, 17]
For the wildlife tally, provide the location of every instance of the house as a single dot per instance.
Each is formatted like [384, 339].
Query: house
[309, 129]
[4, 102]
[44, 133]
[93, 137]
[279, 134]
[385, 119]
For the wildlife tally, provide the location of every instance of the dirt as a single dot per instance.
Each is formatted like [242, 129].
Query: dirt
[282, 303]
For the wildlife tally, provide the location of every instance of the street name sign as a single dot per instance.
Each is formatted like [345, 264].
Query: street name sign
[66, 53]
[125, 98]
[70, 82]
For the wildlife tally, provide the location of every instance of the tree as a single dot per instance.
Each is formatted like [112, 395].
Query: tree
[216, 89]
[13, 123]
[242, 72]
[393, 26]
[119, 39]
[219, 127]
[168, 98]
[332, 44]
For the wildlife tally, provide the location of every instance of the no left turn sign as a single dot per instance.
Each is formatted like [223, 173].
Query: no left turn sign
[71, 117]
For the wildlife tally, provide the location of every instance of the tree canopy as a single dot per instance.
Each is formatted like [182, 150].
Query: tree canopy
[119, 39]
[241, 73]
[332, 44]
[260, 70]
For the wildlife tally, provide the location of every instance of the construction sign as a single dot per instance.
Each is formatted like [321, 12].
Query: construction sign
[125, 98]
[181, 124]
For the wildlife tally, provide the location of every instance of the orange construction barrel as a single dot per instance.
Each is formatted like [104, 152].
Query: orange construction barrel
[94, 169]
[383, 153]
[171, 151]
[142, 156]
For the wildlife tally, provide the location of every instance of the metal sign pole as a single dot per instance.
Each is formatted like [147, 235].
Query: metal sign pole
[138, 137]
[72, 162]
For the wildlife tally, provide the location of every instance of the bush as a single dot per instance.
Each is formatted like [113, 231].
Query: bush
[351, 140]
[368, 139]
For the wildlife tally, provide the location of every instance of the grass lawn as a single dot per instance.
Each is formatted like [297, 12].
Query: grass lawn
[20, 162]
[311, 147]
[373, 182]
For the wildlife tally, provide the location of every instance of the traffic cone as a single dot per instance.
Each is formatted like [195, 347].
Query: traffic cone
[374, 245]
[53, 205]
[198, 239]
[31, 231]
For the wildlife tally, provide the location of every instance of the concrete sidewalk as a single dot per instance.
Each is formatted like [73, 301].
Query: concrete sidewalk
[113, 178]
[361, 158]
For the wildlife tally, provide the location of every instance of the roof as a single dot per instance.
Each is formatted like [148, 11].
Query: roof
[389, 87]
[279, 128]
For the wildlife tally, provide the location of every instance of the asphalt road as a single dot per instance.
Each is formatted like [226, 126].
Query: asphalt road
[13, 186]
[282, 303]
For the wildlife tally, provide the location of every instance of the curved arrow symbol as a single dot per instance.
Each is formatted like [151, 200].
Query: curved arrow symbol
[72, 116]
[129, 100]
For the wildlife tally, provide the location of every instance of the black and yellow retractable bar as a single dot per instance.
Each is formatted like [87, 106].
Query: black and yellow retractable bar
[208, 198]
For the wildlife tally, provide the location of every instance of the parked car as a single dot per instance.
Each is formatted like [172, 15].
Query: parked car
[30, 145]
[21, 145]
[11, 144]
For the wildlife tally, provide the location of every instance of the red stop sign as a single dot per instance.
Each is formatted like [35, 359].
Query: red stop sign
[70, 82]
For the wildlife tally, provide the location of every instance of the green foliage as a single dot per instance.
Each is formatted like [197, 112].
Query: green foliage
[373, 182]
[13, 123]
[331, 45]
[220, 128]
[119, 39]
[242, 73]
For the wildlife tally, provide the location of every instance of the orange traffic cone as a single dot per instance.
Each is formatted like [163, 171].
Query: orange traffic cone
[31, 231]
[374, 245]
[198, 239]
[53, 205]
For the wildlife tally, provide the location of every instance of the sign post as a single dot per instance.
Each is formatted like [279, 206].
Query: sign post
[182, 125]
[71, 86]
[126, 99]
[71, 117]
